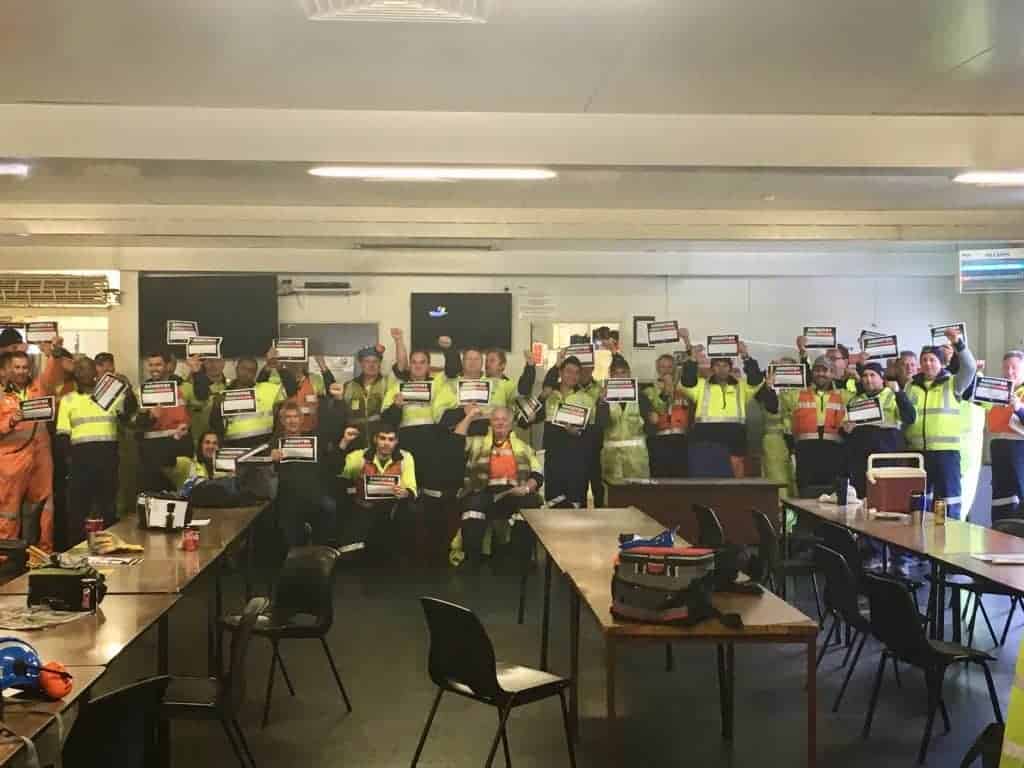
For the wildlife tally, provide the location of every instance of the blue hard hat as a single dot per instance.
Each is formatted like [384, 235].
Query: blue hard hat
[19, 664]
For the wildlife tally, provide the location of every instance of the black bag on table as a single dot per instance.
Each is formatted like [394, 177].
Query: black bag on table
[80, 588]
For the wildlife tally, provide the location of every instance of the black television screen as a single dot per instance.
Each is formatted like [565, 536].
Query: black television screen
[242, 308]
[471, 319]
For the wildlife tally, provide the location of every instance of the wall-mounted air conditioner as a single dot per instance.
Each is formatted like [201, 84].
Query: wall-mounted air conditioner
[289, 287]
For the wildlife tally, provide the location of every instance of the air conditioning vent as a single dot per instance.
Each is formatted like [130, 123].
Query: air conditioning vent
[55, 291]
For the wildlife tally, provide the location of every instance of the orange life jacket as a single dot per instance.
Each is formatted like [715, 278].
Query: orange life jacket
[169, 419]
[309, 405]
[370, 470]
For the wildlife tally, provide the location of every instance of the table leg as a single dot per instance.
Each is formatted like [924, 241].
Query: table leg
[611, 673]
[812, 704]
[730, 668]
[780, 576]
[250, 559]
[934, 606]
[545, 621]
[941, 612]
[955, 618]
[163, 731]
[574, 663]
[723, 695]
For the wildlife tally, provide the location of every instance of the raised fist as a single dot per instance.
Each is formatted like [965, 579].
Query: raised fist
[444, 342]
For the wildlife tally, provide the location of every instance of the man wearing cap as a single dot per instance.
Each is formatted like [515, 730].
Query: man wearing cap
[885, 436]
[11, 341]
[362, 398]
[718, 438]
[936, 433]
[812, 417]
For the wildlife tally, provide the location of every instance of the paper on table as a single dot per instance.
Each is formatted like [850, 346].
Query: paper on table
[1000, 559]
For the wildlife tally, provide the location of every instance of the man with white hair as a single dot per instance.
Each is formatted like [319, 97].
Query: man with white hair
[503, 477]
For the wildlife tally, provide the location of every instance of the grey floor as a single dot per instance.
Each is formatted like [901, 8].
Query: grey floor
[670, 718]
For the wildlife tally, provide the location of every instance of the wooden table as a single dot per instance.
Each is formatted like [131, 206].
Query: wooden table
[948, 546]
[670, 501]
[95, 639]
[30, 716]
[583, 544]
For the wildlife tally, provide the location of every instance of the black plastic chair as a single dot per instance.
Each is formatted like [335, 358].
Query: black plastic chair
[216, 698]
[989, 747]
[118, 728]
[841, 604]
[462, 662]
[709, 528]
[305, 588]
[843, 541]
[770, 563]
[894, 621]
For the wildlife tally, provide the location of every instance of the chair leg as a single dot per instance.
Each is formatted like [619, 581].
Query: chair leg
[270, 688]
[849, 671]
[945, 715]
[669, 659]
[521, 615]
[244, 742]
[1009, 619]
[568, 730]
[334, 669]
[934, 695]
[993, 697]
[504, 743]
[234, 744]
[850, 643]
[502, 719]
[970, 624]
[817, 599]
[828, 638]
[874, 695]
[284, 672]
[426, 727]
[984, 615]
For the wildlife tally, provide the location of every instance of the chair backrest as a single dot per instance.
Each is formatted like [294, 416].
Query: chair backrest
[842, 540]
[840, 585]
[234, 687]
[1012, 526]
[709, 527]
[895, 620]
[460, 650]
[305, 586]
[767, 545]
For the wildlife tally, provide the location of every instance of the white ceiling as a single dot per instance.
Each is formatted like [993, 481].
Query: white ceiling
[67, 181]
[616, 56]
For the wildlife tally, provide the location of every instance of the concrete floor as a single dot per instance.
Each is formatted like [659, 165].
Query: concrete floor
[670, 718]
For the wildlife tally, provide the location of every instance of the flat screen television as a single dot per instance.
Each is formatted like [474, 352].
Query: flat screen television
[471, 319]
[240, 307]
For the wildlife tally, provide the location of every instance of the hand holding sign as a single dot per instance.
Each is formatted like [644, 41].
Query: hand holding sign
[953, 334]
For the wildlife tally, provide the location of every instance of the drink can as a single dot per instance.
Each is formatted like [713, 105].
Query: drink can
[93, 524]
[88, 594]
[939, 512]
[918, 502]
[190, 539]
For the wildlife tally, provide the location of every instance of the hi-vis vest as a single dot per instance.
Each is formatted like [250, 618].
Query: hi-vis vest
[576, 397]
[478, 461]
[370, 469]
[999, 420]
[86, 422]
[937, 427]
[365, 403]
[814, 410]
[307, 397]
[887, 402]
[674, 417]
[185, 469]
[169, 419]
[14, 440]
[422, 414]
[245, 425]
[721, 403]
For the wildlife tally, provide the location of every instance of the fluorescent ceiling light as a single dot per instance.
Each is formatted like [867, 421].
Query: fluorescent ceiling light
[992, 178]
[428, 173]
[14, 169]
[451, 11]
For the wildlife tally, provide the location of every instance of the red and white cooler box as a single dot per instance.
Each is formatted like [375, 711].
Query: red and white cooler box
[889, 488]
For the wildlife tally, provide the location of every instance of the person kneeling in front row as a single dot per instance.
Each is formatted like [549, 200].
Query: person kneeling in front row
[503, 476]
[382, 489]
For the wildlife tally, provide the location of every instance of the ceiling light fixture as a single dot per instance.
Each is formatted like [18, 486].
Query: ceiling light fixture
[449, 11]
[14, 169]
[991, 178]
[428, 173]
